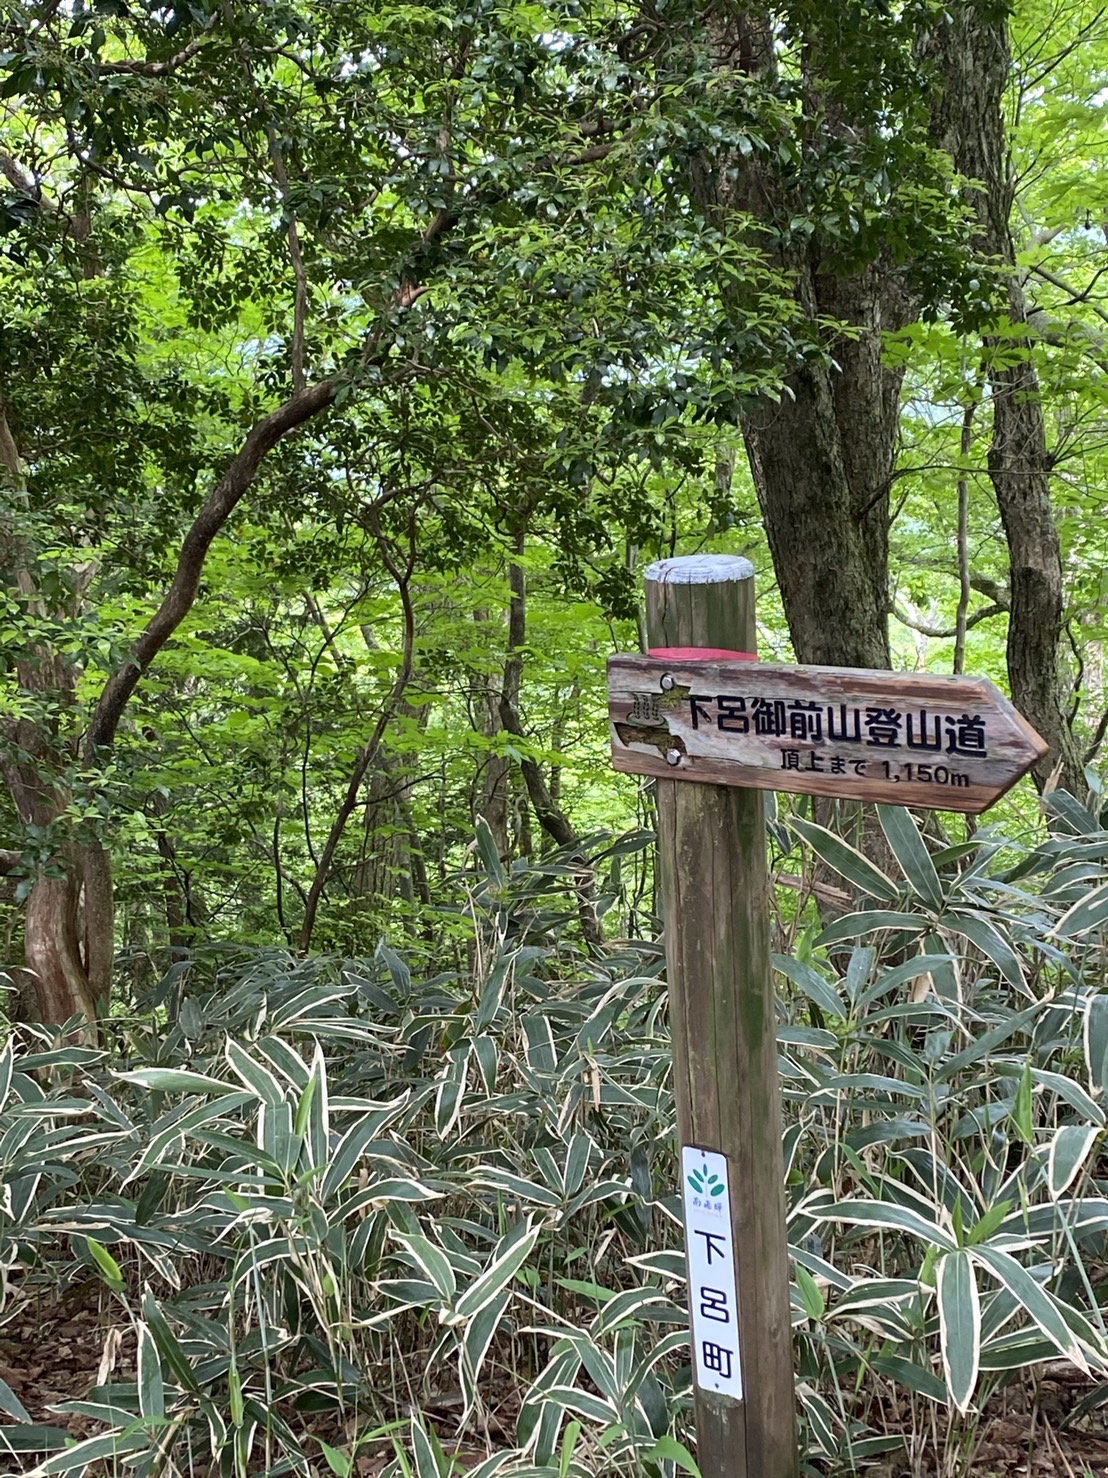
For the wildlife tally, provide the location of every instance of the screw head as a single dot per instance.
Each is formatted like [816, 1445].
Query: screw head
[673, 756]
[666, 681]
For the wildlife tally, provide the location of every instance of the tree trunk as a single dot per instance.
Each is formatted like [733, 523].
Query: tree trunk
[972, 56]
[495, 778]
[822, 465]
[822, 458]
[53, 953]
[67, 957]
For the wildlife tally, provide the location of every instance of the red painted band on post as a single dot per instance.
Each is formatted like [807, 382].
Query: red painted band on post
[700, 654]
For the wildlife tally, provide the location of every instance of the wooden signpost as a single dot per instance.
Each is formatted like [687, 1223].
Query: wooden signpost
[700, 708]
[902, 738]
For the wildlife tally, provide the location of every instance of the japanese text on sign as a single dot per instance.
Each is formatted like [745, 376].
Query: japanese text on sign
[817, 723]
[713, 1305]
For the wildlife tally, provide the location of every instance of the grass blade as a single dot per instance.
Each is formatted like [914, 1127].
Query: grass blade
[959, 1325]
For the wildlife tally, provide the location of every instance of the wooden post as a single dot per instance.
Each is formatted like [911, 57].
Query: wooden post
[715, 896]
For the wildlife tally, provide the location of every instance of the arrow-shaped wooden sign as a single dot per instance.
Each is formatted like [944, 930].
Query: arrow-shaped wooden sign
[902, 738]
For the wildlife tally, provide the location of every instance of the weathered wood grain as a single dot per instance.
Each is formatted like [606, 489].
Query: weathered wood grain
[715, 891]
[910, 739]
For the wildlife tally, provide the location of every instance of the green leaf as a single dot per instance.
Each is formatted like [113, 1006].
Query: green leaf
[151, 1388]
[1096, 1041]
[1022, 1108]
[626, 1305]
[480, 1331]
[820, 1418]
[339, 1463]
[431, 1261]
[1034, 1299]
[515, 1185]
[304, 1106]
[487, 851]
[451, 1090]
[169, 1347]
[986, 1225]
[7, 1066]
[175, 1126]
[234, 1395]
[1091, 912]
[580, 1149]
[888, 1216]
[11, 1405]
[959, 1325]
[815, 1305]
[512, 1251]
[430, 1461]
[1069, 1149]
[109, 1268]
[871, 921]
[907, 1373]
[1071, 1092]
[94, 1450]
[986, 1044]
[911, 853]
[34, 1439]
[594, 1408]
[991, 943]
[176, 1080]
[349, 1151]
[569, 1442]
[257, 1078]
[846, 860]
[317, 1131]
[668, 1449]
[818, 990]
[486, 1051]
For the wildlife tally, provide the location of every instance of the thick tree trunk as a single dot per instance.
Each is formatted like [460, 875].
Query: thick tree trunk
[822, 458]
[67, 922]
[53, 953]
[971, 55]
[822, 464]
[1019, 466]
[392, 857]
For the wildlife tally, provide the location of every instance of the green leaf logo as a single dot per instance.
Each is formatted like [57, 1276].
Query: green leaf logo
[705, 1182]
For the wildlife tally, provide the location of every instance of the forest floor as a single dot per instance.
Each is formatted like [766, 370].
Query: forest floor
[58, 1353]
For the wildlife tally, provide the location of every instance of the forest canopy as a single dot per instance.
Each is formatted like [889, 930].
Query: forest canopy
[355, 361]
[355, 358]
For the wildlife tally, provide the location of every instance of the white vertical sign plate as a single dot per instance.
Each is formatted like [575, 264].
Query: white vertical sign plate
[713, 1304]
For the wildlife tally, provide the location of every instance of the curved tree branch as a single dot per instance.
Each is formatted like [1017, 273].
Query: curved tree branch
[1097, 740]
[218, 507]
[971, 620]
[155, 69]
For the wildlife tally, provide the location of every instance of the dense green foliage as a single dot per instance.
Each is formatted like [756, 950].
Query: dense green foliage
[321, 1191]
[354, 360]
[482, 224]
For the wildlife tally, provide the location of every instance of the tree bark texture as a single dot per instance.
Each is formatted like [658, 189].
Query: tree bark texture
[67, 952]
[972, 56]
[822, 460]
[495, 778]
[69, 939]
